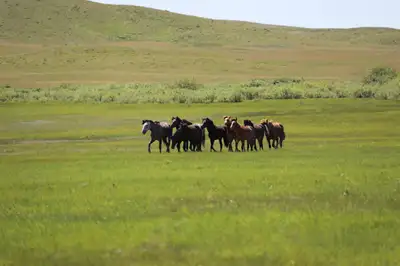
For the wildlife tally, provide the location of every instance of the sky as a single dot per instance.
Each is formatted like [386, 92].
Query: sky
[301, 13]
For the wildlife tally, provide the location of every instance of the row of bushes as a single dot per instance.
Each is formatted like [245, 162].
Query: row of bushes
[136, 93]
[380, 84]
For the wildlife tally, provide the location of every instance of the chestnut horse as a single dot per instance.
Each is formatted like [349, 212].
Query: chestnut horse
[276, 133]
[242, 134]
[260, 131]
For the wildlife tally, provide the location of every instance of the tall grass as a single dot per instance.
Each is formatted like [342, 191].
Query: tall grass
[188, 91]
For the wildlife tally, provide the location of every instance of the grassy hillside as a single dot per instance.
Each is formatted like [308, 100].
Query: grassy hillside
[45, 21]
[45, 43]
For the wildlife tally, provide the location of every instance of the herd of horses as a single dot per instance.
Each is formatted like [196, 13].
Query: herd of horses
[192, 135]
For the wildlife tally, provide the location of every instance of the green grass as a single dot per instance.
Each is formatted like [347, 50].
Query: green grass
[112, 203]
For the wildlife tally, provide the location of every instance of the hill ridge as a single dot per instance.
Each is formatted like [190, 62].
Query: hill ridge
[250, 22]
[81, 21]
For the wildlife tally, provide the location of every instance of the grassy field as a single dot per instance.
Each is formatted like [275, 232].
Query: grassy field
[329, 197]
[77, 186]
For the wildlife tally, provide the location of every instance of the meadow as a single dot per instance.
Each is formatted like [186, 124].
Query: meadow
[79, 188]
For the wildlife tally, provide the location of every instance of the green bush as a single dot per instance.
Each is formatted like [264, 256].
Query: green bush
[189, 84]
[380, 75]
[184, 92]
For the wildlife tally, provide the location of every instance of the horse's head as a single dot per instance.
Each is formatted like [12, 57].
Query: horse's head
[234, 124]
[175, 121]
[206, 122]
[146, 126]
[227, 120]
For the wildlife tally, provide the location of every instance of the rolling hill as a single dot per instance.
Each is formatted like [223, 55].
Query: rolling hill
[81, 21]
[51, 42]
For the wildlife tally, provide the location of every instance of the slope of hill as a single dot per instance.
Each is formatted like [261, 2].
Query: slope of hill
[81, 21]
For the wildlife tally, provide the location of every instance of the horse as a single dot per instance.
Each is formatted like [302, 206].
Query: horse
[176, 121]
[229, 132]
[160, 131]
[242, 134]
[215, 133]
[260, 130]
[187, 132]
[276, 133]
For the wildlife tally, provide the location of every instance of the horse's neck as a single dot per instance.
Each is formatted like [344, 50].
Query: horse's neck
[212, 127]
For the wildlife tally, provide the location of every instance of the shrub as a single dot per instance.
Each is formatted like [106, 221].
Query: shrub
[254, 83]
[189, 84]
[380, 75]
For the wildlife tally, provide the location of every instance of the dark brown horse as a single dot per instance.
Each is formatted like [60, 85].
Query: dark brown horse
[260, 131]
[176, 121]
[160, 131]
[190, 133]
[276, 133]
[215, 133]
[242, 134]
[229, 132]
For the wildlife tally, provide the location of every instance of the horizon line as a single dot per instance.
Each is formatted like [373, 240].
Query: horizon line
[251, 22]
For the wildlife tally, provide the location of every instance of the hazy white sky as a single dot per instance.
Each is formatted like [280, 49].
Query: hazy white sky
[303, 13]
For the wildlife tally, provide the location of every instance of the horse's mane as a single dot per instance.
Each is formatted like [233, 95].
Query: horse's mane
[146, 120]
[248, 122]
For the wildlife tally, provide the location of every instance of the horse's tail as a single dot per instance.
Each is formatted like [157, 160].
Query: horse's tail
[283, 132]
[266, 131]
[203, 138]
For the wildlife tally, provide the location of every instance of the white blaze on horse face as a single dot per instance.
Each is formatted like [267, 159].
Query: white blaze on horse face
[145, 127]
[232, 124]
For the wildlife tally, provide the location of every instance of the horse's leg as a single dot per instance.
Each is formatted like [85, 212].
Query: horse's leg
[160, 144]
[269, 142]
[212, 144]
[164, 139]
[149, 145]
[185, 145]
[230, 140]
[236, 146]
[193, 147]
[213, 141]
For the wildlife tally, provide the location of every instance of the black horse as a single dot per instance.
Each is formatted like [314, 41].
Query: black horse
[215, 133]
[176, 121]
[190, 133]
